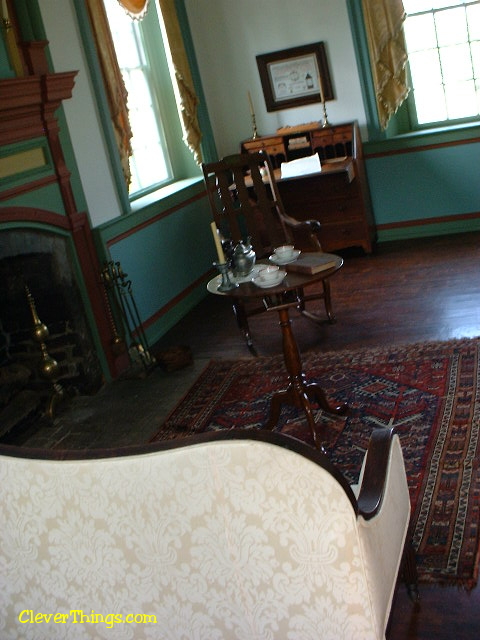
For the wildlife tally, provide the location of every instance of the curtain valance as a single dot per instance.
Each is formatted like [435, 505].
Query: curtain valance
[135, 8]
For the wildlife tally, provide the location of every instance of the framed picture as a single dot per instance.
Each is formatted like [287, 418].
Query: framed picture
[295, 77]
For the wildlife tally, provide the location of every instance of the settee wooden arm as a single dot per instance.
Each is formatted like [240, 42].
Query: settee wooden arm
[375, 473]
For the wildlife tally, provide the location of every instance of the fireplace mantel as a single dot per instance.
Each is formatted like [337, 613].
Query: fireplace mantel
[26, 104]
[28, 108]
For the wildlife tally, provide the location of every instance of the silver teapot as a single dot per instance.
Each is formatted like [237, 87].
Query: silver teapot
[243, 259]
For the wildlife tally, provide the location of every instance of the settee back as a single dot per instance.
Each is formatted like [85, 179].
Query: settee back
[214, 537]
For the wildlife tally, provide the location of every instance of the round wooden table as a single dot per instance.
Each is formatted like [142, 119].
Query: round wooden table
[281, 298]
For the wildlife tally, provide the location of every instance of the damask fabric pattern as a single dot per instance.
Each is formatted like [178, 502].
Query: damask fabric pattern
[240, 540]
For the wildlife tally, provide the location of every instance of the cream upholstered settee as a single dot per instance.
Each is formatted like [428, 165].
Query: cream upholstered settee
[227, 536]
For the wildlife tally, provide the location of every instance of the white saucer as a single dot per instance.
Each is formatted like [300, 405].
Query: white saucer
[280, 261]
[275, 283]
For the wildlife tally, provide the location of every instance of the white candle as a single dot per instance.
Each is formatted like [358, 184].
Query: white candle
[218, 244]
[250, 103]
[320, 87]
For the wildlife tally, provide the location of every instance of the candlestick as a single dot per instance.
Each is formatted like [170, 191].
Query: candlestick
[218, 244]
[326, 123]
[252, 113]
[322, 99]
[225, 283]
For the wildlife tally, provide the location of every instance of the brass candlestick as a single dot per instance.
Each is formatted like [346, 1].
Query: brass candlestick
[325, 117]
[252, 113]
[48, 366]
[254, 127]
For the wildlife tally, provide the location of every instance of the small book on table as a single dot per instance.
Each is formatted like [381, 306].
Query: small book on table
[312, 263]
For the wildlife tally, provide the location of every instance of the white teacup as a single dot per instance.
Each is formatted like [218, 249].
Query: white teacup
[268, 274]
[285, 252]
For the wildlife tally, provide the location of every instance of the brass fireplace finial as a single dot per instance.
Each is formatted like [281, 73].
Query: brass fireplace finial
[49, 366]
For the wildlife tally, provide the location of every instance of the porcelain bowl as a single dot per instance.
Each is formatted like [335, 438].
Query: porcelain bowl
[285, 252]
[268, 274]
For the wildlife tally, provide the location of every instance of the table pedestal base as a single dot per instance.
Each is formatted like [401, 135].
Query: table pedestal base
[299, 392]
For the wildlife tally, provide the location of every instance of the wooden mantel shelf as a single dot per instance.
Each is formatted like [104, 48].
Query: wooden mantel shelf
[27, 104]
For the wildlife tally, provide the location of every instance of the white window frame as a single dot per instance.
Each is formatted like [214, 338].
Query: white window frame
[179, 162]
[438, 8]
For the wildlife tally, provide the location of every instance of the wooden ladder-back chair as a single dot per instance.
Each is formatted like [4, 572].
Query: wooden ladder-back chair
[246, 203]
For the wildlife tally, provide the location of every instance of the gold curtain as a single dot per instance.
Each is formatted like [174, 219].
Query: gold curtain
[187, 100]
[386, 40]
[113, 80]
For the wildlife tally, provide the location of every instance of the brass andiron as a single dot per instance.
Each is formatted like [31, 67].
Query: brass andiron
[116, 282]
[48, 366]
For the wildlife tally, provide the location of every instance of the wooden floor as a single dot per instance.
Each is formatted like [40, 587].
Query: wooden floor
[406, 292]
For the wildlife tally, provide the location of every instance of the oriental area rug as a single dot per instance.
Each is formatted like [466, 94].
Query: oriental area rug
[428, 392]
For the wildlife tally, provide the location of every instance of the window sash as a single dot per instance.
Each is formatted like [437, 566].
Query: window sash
[443, 40]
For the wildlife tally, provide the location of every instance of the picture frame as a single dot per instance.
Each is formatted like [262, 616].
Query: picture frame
[295, 77]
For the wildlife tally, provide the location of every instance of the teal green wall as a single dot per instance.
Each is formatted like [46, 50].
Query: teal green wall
[167, 251]
[413, 189]
[444, 183]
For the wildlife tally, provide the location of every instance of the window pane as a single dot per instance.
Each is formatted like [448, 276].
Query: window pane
[476, 59]
[122, 31]
[456, 63]
[420, 33]
[418, 6]
[461, 99]
[430, 104]
[473, 16]
[451, 26]
[425, 68]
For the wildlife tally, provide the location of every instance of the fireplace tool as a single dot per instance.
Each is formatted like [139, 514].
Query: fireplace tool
[48, 367]
[116, 282]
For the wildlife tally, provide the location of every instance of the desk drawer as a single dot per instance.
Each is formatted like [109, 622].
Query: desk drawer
[335, 209]
[344, 234]
[271, 145]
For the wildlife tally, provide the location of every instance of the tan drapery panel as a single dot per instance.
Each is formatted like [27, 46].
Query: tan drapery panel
[186, 96]
[386, 40]
[113, 80]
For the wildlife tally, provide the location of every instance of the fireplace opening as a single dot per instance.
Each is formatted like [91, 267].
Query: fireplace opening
[37, 262]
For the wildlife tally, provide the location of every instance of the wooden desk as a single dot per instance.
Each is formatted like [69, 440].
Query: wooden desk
[338, 196]
[299, 392]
